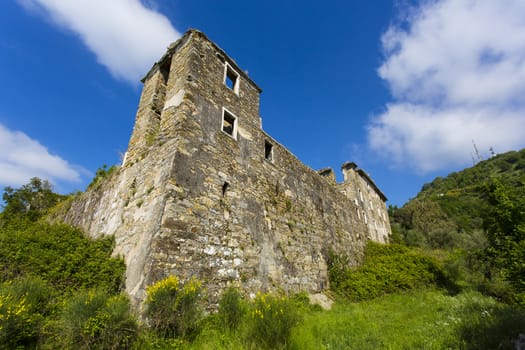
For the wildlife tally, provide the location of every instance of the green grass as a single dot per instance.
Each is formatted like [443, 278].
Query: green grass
[415, 320]
[419, 319]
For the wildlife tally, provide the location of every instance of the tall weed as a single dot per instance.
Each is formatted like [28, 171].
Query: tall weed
[232, 308]
[272, 319]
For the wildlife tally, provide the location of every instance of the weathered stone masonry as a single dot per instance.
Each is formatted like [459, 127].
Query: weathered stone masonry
[204, 191]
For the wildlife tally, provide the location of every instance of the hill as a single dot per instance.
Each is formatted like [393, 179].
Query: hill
[449, 211]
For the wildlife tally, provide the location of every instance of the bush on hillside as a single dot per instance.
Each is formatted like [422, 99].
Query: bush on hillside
[61, 255]
[505, 227]
[386, 269]
[23, 305]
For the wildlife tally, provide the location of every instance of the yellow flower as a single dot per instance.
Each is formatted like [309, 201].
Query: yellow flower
[170, 283]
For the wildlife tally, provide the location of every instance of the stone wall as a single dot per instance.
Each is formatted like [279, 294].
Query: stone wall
[360, 188]
[193, 200]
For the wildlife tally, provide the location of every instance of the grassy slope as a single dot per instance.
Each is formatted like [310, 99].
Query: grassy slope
[420, 319]
[510, 165]
[423, 319]
[449, 212]
[417, 316]
[460, 193]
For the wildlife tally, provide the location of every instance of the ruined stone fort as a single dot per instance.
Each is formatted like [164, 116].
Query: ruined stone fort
[204, 191]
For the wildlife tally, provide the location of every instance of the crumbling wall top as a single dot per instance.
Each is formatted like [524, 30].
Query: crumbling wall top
[173, 47]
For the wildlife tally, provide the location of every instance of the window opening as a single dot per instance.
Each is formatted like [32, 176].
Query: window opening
[231, 78]
[268, 151]
[165, 70]
[229, 123]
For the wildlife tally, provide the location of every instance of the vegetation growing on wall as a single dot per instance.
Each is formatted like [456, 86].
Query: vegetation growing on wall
[102, 173]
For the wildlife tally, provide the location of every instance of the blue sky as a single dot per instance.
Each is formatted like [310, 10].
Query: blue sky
[403, 88]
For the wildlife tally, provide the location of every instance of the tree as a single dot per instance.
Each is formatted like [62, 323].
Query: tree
[31, 200]
[505, 227]
[423, 222]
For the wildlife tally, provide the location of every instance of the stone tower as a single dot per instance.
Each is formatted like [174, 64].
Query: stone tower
[204, 191]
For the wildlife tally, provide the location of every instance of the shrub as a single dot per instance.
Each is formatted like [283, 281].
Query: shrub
[23, 305]
[102, 173]
[61, 254]
[174, 309]
[504, 224]
[95, 320]
[386, 269]
[231, 308]
[272, 320]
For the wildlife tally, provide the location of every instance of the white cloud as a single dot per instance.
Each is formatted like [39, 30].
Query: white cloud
[125, 36]
[432, 139]
[457, 74]
[22, 158]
